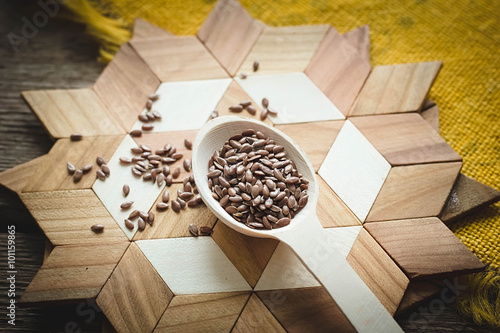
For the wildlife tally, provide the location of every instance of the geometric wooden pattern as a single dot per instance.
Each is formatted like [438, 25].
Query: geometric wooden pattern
[440, 253]
[431, 116]
[396, 88]
[144, 30]
[52, 173]
[340, 68]
[306, 310]
[73, 111]
[229, 33]
[178, 58]
[125, 84]
[378, 271]
[405, 139]
[216, 312]
[284, 49]
[467, 195]
[16, 178]
[249, 255]
[414, 191]
[418, 292]
[135, 296]
[66, 217]
[255, 317]
[73, 273]
[314, 138]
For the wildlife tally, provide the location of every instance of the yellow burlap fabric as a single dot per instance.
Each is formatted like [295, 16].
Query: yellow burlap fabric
[465, 35]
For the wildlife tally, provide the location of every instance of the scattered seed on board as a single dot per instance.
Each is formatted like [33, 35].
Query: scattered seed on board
[97, 228]
[134, 214]
[101, 175]
[100, 160]
[136, 133]
[188, 144]
[125, 160]
[106, 170]
[252, 110]
[154, 97]
[75, 137]
[126, 190]
[246, 104]
[263, 115]
[165, 197]
[129, 224]
[71, 168]
[126, 205]
[176, 173]
[187, 164]
[141, 225]
[77, 176]
[255, 65]
[272, 111]
[161, 206]
[204, 230]
[143, 215]
[147, 127]
[243, 76]
[265, 103]
[193, 229]
[87, 168]
[149, 104]
[236, 108]
[176, 206]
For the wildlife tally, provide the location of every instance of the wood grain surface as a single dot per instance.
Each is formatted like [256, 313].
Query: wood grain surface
[257, 318]
[63, 56]
[143, 30]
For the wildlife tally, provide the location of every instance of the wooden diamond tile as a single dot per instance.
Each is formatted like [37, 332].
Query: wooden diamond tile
[284, 49]
[418, 292]
[257, 318]
[16, 178]
[431, 116]
[144, 30]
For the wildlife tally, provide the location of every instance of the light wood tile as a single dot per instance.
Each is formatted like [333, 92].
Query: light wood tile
[229, 33]
[414, 191]
[257, 318]
[64, 112]
[339, 69]
[315, 139]
[440, 252]
[203, 313]
[135, 296]
[52, 174]
[396, 88]
[234, 96]
[206, 268]
[178, 58]
[359, 38]
[125, 84]
[16, 178]
[249, 255]
[186, 105]
[431, 116]
[169, 224]
[73, 273]
[306, 310]
[284, 49]
[66, 217]
[378, 271]
[144, 30]
[354, 170]
[405, 139]
[297, 101]
[142, 193]
[467, 195]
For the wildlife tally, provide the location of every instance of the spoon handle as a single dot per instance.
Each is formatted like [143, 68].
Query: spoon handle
[317, 249]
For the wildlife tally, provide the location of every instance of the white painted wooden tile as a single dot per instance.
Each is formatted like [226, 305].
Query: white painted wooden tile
[355, 170]
[285, 271]
[186, 105]
[109, 191]
[293, 95]
[193, 265]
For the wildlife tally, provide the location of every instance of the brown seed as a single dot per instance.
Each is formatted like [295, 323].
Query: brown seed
[186, 195]
[168, 180]
[256, 225]
[266, 223]
[252, 110]
[136, 133]
[125, 160]
[193, 202]
[134, 214]
[141, 225]
[100, 160]
[272, 111]
[156, 114]
[126, 190]
[151, 218]
[243, 76]
[137, 150]
[87, 168]
[255, 65]
[236, 108]
[97, 228]
[263, 115]
[231, 209]
[71, 168]
[99, 174]
[187, 164]
[143, 215]
[160, 179]
[177, 156]
[165, 196]
[188, 144]
[193, 229]
[303, 201]
[154, 97]
[168, 160]
[283, 222]
[204, 230]
[106, 170]
[126, 205]
[77, 176]
[147, 127]
[176, 173]
[161, 206]
[176, 206]
[75, 137]
[181, 202]
[265, 103]
[129, 224]
[143, 118]
[245, 104]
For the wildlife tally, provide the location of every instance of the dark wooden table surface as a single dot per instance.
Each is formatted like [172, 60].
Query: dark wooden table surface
[61, 55]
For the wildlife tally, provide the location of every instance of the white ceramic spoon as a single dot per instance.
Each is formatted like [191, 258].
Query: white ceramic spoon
[304, 234]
